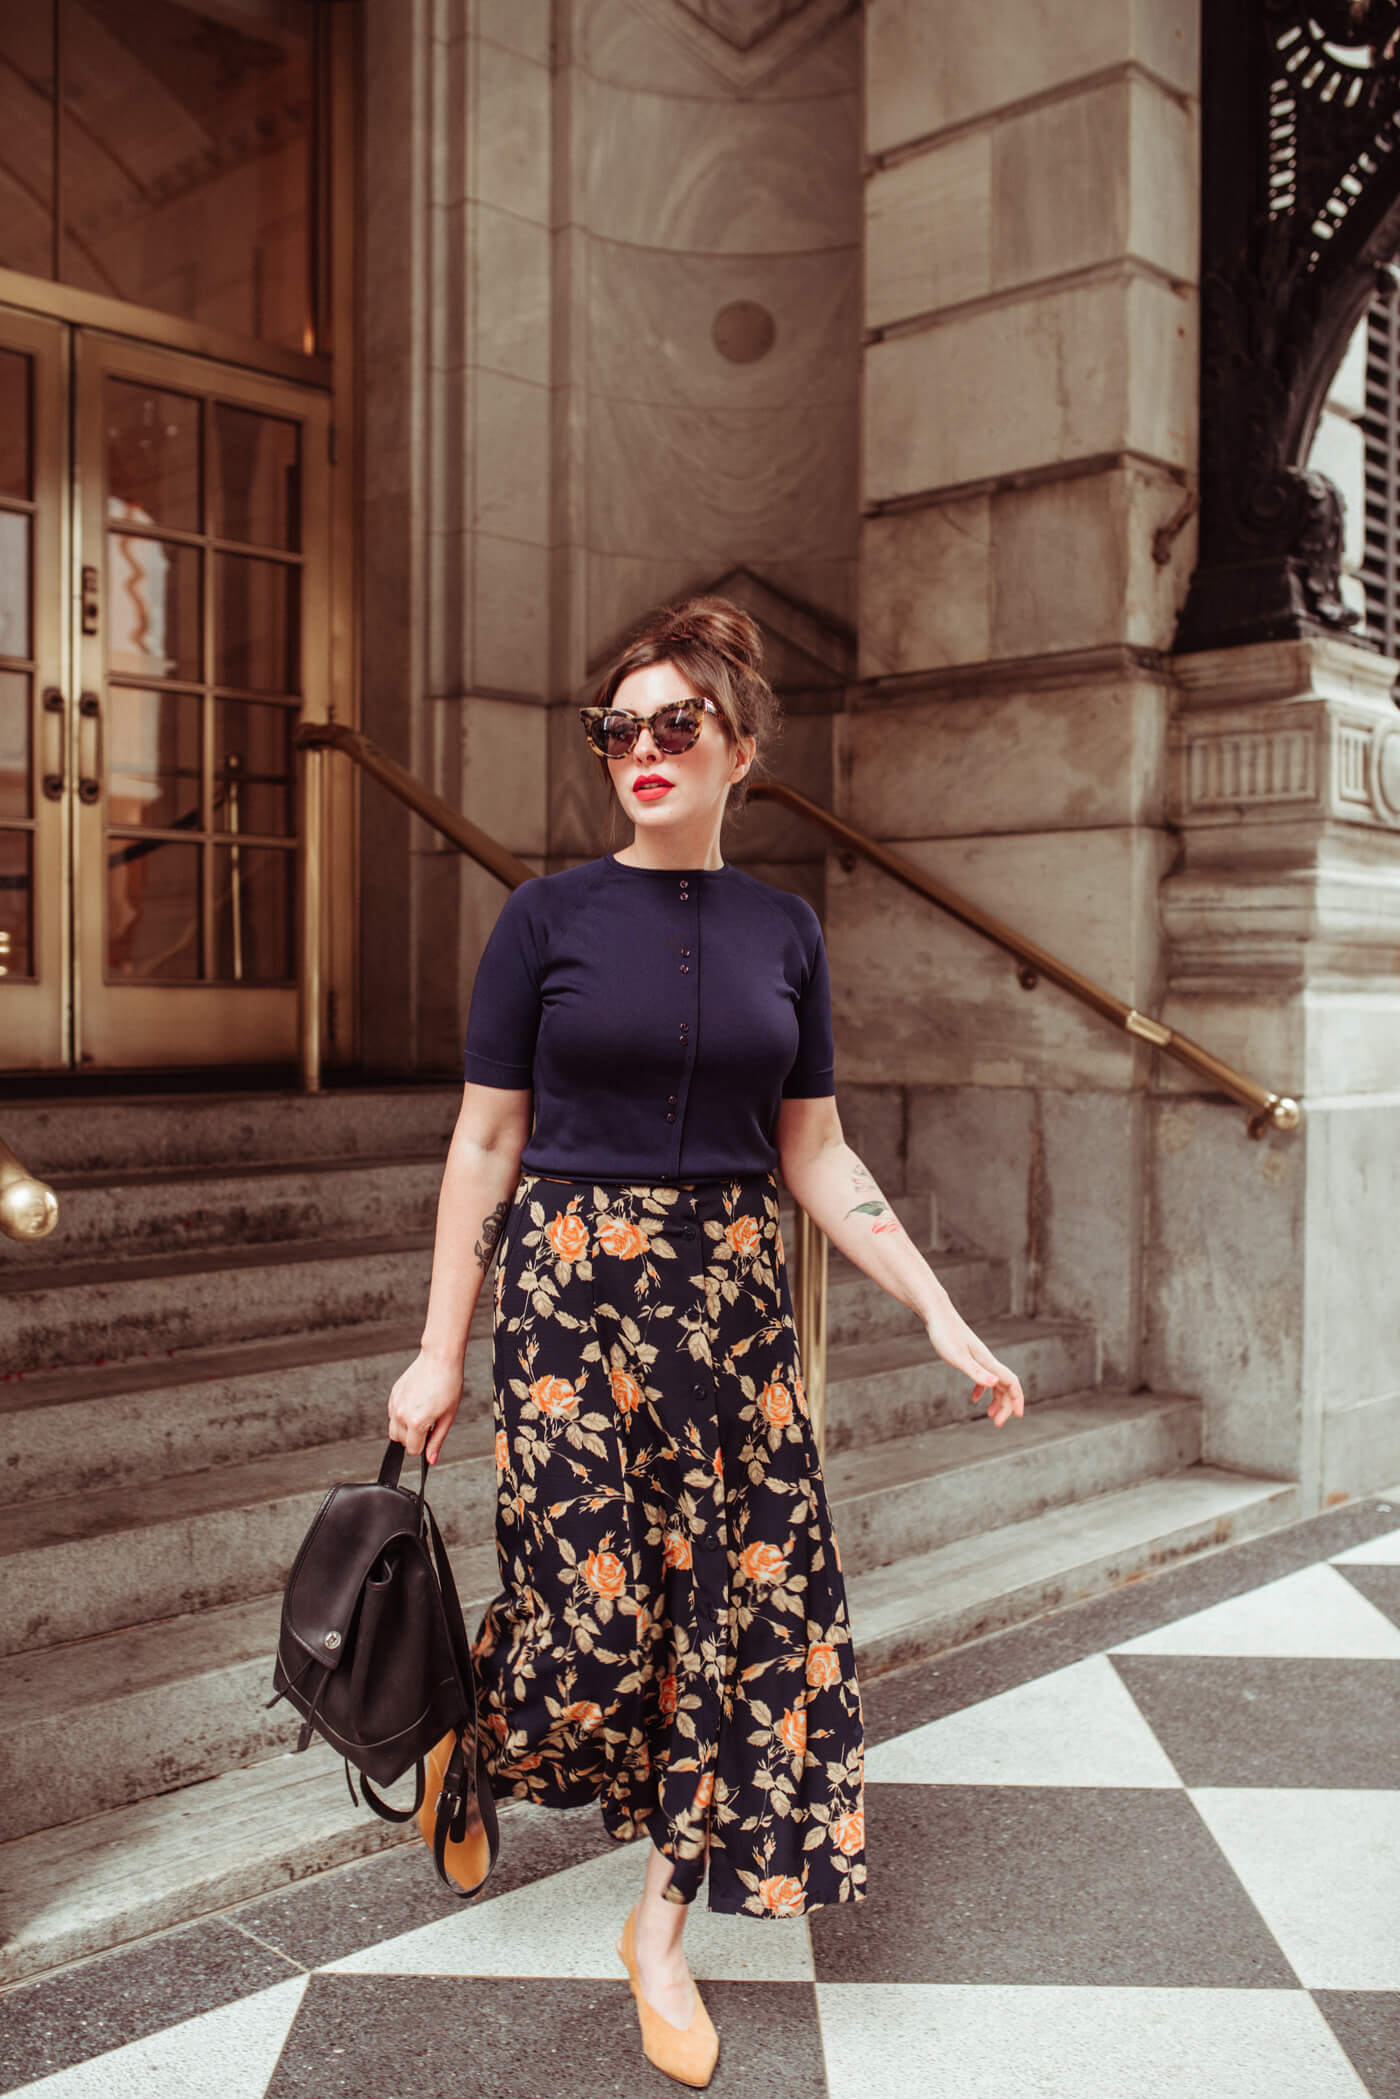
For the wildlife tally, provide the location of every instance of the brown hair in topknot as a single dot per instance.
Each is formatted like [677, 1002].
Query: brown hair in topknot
[720, 649]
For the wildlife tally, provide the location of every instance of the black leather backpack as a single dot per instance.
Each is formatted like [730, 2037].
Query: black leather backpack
[374, 1655]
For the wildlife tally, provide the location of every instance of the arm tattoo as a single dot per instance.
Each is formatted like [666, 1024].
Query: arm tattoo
[875, 1206]
[491, 1229]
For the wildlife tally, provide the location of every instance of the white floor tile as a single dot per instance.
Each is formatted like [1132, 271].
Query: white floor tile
[988, 2041]
[1075, 1727]
[1313, 1612]
[230, 2053]
[1323, 1870]
[1375, 1552]
[568, 1925]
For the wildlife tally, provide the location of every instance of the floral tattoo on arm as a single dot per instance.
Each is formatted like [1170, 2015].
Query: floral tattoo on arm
[491, 1229]
[874, 1204]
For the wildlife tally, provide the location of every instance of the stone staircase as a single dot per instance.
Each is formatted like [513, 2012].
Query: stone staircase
[207, 1344]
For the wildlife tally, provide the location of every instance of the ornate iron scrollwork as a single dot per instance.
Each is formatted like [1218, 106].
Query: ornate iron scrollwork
[1300, 210]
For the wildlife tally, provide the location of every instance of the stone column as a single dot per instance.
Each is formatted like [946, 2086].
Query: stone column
[1030, 386]
[1272, 1285]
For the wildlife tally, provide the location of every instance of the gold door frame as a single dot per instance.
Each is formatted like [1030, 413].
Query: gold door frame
[36, 1014]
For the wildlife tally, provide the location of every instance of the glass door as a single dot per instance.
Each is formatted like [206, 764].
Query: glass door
[164, 623]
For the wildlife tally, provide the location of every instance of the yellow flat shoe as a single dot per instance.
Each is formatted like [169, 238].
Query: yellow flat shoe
[687, 2053]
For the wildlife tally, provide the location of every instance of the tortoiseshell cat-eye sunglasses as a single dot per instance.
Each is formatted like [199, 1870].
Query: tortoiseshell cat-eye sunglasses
[674, 728]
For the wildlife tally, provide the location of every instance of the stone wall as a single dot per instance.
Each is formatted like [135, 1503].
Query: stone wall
[610, 288]
[1029, 419]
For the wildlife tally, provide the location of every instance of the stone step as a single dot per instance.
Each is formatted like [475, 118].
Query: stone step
[103, 1426]
[899, 1387]
[169, 1703]
[138, 1133]
[88, 1563]
[157, 1706]
[97, 1312]
[69, 1892]
[123, 1216]
[159, 1543]
[928, 1602]
[55, 1313]
[910, 1495]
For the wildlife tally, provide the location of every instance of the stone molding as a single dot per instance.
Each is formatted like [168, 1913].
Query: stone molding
[1126, 69]
[1056, 671]
[1286, 731]
[744, 42]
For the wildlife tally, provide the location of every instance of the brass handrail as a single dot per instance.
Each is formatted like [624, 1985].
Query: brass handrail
[28, 1207]
[1269, 1110]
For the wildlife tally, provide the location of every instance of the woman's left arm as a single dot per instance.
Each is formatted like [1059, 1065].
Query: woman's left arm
[839, 1192]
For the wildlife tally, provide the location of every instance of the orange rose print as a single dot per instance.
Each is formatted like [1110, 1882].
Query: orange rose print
[849, 1832]
[705, 1791]
[743, 1235]
[554, 1396]
[762, 1563]
[621, 1239]
[778, 1247]
[666, 1692]
[799, 1391]
[605, 1573]
[792, 1729]
[502, 1450]
[678, 1552]
[626, 1391]
[781, 1894]
[775, 1404]
[568, 1236]
[823, 1668]
[584, 1715]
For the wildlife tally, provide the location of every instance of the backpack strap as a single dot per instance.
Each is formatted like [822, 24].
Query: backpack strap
[466, 1783]
[382, 1807]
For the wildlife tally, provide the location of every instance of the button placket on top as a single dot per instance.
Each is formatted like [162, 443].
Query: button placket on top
[687, 941]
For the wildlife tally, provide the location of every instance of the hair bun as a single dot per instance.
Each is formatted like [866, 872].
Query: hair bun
[717, 624]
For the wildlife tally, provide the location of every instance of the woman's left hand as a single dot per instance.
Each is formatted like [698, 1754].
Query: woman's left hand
[955, 1341]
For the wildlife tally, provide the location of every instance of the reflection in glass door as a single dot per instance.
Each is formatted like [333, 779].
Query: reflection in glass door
[202, 639]
[151, 787]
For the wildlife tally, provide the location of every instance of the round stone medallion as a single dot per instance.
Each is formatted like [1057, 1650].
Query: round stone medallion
[1387, 774]
[744, 331]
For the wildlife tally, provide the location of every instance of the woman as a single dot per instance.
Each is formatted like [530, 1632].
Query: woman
[672, 1635]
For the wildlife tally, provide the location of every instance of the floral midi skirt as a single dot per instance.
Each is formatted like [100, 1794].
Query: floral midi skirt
[671, 1636]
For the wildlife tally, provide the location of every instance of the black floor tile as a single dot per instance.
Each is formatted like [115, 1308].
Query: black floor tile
[1367, 2023]
[1046, 1884]
[438, 2037]
[930, 1690]
[64, 2019]
[1379, 1585]
[1248, 1720]
[355, 1906]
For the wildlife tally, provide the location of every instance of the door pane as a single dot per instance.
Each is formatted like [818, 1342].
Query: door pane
[14, 744]
[153, 910]
[257, 492]
[253, 769]
[153, 453]
[16, 956]
[26, 137]
[187, 163]
[16, 437]
[153, 771]
[154, 625]
[253, 914]
[14, 584]
[257, 624]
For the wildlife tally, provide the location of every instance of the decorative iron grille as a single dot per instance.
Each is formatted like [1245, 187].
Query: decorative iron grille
[1380, 572]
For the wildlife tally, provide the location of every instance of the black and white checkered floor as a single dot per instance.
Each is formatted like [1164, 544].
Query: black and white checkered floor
[1148, 1845]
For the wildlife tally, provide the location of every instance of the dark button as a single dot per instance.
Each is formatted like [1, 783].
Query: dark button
[673, 1100]
[669, 1116]
[698, 1390]
[710, 1542]
[685, 950]
[685, 969]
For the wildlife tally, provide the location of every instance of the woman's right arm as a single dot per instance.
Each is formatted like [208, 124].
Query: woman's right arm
[478, 1182]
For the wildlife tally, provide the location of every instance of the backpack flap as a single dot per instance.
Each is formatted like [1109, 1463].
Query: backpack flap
[353, 1528]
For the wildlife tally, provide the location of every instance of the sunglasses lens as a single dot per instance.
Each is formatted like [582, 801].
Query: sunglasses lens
[675, 729]
[614, 735]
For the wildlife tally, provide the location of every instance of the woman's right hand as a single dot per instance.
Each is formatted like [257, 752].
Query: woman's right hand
[423, 1404]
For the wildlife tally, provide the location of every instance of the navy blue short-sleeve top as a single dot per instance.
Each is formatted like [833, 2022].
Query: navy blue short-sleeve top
[659, 1015]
